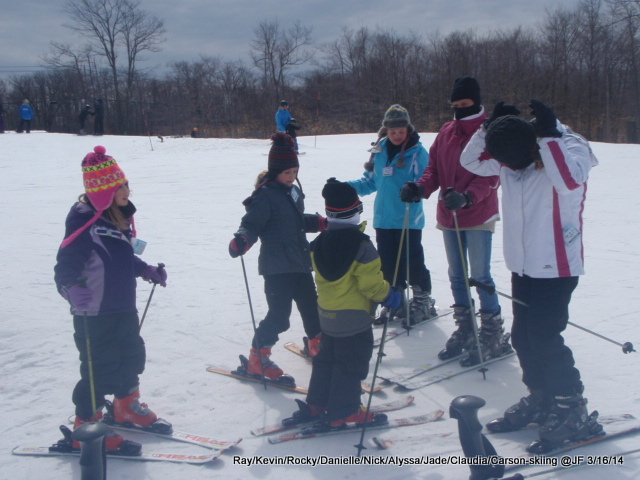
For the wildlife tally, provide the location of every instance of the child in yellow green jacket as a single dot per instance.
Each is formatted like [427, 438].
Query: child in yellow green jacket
[350, 285]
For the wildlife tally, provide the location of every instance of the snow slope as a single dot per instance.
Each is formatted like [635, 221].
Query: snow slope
[188, 193]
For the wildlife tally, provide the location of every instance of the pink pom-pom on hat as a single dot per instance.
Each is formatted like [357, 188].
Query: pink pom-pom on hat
[102, 178]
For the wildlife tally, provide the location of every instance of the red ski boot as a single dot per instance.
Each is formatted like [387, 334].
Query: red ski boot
[361, 417]
[113, 440]
[267, 368]
[129, 409]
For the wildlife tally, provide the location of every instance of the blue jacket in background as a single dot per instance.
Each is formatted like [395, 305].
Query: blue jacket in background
[26, 112]
[283, 117]
[389, 210]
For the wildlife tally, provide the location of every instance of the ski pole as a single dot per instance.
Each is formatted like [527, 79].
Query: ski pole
[491, 290]
[253, 321]
[360, 446]
[82, 282]
[408, 318]
[144, 314]
[627, 347]
[463, 261]
[92, 384]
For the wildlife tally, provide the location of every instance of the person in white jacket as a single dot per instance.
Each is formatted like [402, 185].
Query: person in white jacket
[543, 168]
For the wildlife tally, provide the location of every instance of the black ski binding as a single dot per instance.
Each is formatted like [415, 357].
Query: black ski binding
[541, 447]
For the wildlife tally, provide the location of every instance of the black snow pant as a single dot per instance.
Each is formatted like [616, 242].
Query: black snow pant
[24, 125]
[118, 357]
[388, 244]
[282, 290]
[98, 125]
[338, 369]
[547, 363]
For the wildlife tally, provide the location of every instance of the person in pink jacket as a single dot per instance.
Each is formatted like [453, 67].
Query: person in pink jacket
[475, 201]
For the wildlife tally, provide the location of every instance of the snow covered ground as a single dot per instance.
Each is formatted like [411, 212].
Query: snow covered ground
[188, 193]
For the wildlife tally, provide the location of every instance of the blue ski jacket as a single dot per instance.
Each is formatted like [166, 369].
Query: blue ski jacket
[387, 180]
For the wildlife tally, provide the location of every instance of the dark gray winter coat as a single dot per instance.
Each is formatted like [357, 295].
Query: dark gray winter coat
[275, 214]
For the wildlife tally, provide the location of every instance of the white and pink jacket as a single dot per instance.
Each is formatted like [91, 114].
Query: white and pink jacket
[542, 209]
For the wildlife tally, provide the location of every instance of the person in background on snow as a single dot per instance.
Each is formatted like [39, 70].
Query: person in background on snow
[82, 118]
[1, 118]
[98, 122]
[96, 273]
[543, 168]
[350, 285]
[26, 115]
[398, 157]
[283, 116]
[275, 215]
[291, 131]
[474, 199]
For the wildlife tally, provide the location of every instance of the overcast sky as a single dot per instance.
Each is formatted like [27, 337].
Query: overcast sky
[225, 27]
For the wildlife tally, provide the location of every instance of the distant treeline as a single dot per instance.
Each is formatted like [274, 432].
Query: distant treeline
[585, 62]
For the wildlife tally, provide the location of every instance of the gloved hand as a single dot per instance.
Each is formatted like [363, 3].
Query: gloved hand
[78, 297]
[322, 223]
[500, 110]
[545, 121]
[393, 300]
[455, 200]
[239, 246]
[411, 192]
[155, 274]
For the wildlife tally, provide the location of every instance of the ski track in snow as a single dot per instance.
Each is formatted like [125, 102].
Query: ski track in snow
[188, 193]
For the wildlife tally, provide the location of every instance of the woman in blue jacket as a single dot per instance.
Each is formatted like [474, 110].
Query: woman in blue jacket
[398, 157]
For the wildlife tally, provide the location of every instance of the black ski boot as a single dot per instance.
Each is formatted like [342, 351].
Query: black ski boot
[421, 307]
[305, 414]
[493, 341]
[533, 408]
[569, 421]
[462, 338]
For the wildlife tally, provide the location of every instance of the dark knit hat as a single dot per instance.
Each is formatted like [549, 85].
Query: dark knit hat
[512, 141]
[396, 117]
[466, 87]
[340, 199]
[282, 155]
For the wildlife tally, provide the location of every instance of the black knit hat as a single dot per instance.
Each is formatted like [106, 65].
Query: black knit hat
[340, 199]
[396, 116]
[512, 141]
[466, 87]
[282, 155]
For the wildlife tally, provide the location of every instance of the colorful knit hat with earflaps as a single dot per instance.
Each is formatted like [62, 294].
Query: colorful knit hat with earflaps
[102, 178]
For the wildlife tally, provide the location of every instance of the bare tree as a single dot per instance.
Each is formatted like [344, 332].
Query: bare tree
[115, 28]
[275, 51]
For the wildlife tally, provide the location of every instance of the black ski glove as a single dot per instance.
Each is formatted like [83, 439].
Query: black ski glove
[500, 110]
[545, 121]
[411, 193]
[455, 200]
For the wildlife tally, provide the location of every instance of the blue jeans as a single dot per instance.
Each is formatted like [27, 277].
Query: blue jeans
[476, 245]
